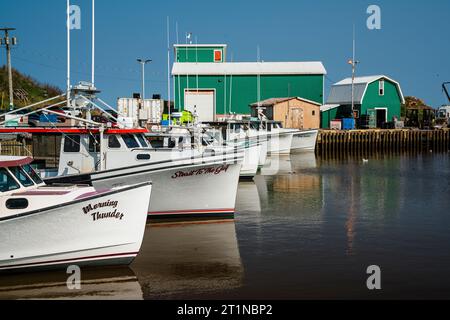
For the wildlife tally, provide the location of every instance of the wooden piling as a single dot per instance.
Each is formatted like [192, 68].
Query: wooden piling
[332, 143]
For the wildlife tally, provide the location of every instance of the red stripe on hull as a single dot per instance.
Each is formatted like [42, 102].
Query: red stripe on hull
[181, 212]
[68, 130]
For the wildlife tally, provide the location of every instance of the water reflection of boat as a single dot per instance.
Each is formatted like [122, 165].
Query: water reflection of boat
[180, 260]
[248, 197]
[302, 161]
[106, 283]
[277, 165]
[302, 188]
[289, 164]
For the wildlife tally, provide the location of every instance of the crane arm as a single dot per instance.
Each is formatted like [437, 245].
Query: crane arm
[444, 87]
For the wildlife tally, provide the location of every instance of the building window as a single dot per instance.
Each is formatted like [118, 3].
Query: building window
[381, 88]
[314, 112]
[217, 56]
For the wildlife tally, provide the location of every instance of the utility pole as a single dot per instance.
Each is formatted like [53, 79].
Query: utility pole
[143, 62]
[353, 62]
[8, 43]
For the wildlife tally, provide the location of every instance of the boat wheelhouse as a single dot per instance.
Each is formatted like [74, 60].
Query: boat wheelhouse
[120, 157]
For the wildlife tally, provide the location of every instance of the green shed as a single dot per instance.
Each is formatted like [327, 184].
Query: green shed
[377, 101]
[214, 89]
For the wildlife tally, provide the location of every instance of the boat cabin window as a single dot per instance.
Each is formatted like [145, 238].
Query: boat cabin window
[142, 141]
[156, 142]
[237, 127]
[113, 142]
[172, 142]
[21, 176]
[32, 174]
[72, 143]
[255, 126]
[7, 182]
[183, 142]
[130, 141]
[17, 204]
[94, 143]
[277, 125]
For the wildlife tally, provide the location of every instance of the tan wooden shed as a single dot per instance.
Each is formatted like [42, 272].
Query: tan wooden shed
[295, 113]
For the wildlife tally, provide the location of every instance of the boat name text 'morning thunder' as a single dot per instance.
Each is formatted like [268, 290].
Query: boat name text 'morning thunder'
[105, 215]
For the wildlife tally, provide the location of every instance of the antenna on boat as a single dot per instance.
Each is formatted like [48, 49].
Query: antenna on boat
[68, 53]
[258, 58]
[231, 85]
[179, 88]
[168, 68]
[93, 44]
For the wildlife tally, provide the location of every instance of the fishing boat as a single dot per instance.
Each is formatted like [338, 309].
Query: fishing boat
[107, 157]
[304, 141]
[195, 141]
[183, 187]
[46, 227]
[238, 134]
[284, 140]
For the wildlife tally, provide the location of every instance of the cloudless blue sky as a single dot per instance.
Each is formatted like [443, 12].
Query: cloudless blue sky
[412, 46]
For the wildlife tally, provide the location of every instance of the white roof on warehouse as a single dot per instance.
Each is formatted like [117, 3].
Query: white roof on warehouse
[200, 45]
[341, 92]
[328, 107]
[249, 68]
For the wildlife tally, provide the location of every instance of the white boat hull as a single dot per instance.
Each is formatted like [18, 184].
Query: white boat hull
[181, 188]
[251, 161]
[264, 152]
[280, 143]
[73, 234]
[252, 151]
[305, 141]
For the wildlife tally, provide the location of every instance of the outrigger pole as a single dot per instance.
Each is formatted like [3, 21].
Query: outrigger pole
[33, 105]
[35, 111]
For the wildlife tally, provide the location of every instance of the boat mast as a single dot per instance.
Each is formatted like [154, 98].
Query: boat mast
[93, 44]
[168, 68]
[68, 54]
[102, 154]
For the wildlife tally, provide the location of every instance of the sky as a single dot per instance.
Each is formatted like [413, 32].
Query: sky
[411, 47]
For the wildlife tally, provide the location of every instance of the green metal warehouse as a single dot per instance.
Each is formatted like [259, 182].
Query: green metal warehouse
[205, 83]
[377, 100]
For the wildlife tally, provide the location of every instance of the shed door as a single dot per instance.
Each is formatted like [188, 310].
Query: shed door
[372, 113]
[296, 118]
[200, 102]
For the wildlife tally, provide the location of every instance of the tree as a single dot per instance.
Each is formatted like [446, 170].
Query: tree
[413, 103]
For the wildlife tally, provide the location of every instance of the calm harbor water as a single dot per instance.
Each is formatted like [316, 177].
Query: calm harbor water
[306, 228]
